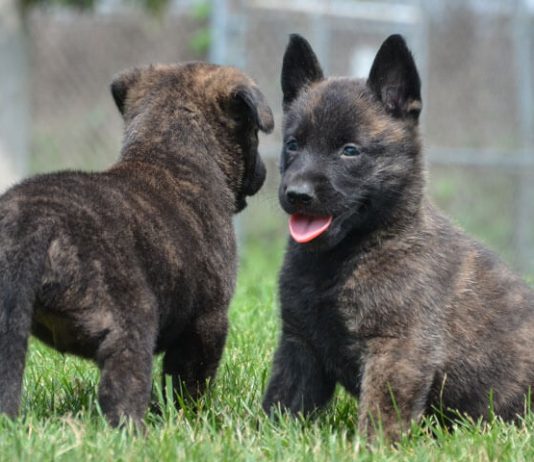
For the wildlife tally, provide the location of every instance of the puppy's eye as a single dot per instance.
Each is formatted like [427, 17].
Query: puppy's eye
[292, 145]
[349, 150]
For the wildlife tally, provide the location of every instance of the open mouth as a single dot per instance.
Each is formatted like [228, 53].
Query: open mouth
[305, 228]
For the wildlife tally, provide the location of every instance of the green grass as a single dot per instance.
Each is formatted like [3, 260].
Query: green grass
[60, 419]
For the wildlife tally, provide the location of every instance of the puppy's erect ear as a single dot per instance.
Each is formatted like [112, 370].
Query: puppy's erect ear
[121, 84]
[395, 81]
[251, 100]
[299, 69]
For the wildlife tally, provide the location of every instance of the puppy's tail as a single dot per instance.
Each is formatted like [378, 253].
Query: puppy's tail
[21, 268]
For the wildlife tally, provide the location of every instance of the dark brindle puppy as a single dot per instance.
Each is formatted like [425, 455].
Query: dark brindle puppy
[379, 291]
[141, 258]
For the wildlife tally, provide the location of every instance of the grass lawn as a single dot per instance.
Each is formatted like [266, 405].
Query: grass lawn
[60, 420]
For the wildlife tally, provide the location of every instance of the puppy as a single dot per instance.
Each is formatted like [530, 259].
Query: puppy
[379, 291]
[139, 259]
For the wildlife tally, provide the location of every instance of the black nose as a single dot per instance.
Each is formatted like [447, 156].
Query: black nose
[300, 194]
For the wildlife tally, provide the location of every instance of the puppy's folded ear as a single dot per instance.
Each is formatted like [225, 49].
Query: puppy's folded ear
[122, 84]
[394, 79]
[250, 104]
[299, 69]
[252, 100]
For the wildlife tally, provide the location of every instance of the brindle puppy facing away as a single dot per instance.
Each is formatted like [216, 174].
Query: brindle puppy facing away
[379, 291]
[141, 258]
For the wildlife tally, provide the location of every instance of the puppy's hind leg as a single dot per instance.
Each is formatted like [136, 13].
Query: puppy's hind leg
[19, 277]
[15, 324]
[125, 360]
[195, 357]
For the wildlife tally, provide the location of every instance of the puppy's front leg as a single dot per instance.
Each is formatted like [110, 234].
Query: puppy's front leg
[396, 381]
[298, 382]
[194, 358]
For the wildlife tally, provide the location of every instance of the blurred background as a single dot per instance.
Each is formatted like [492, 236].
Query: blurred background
[476, 60]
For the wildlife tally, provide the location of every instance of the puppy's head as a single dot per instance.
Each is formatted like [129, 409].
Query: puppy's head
[225, 110]
[350, 160]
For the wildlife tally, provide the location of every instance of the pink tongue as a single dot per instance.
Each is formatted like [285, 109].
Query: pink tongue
[305, 228]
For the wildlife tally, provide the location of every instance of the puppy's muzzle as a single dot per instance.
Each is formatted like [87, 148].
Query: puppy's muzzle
[300, 194]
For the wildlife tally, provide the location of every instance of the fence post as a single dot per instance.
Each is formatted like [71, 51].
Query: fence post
[14, 95]
[523, 43]
[223, 50]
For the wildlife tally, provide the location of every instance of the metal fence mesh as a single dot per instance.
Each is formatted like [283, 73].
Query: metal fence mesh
[73, 57]
[477, 64]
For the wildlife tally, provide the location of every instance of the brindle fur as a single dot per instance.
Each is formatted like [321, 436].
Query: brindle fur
[119, 265]
[394, 302]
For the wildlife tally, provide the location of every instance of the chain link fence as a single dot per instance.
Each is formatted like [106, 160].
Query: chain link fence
[73, 57]
[476, 60]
